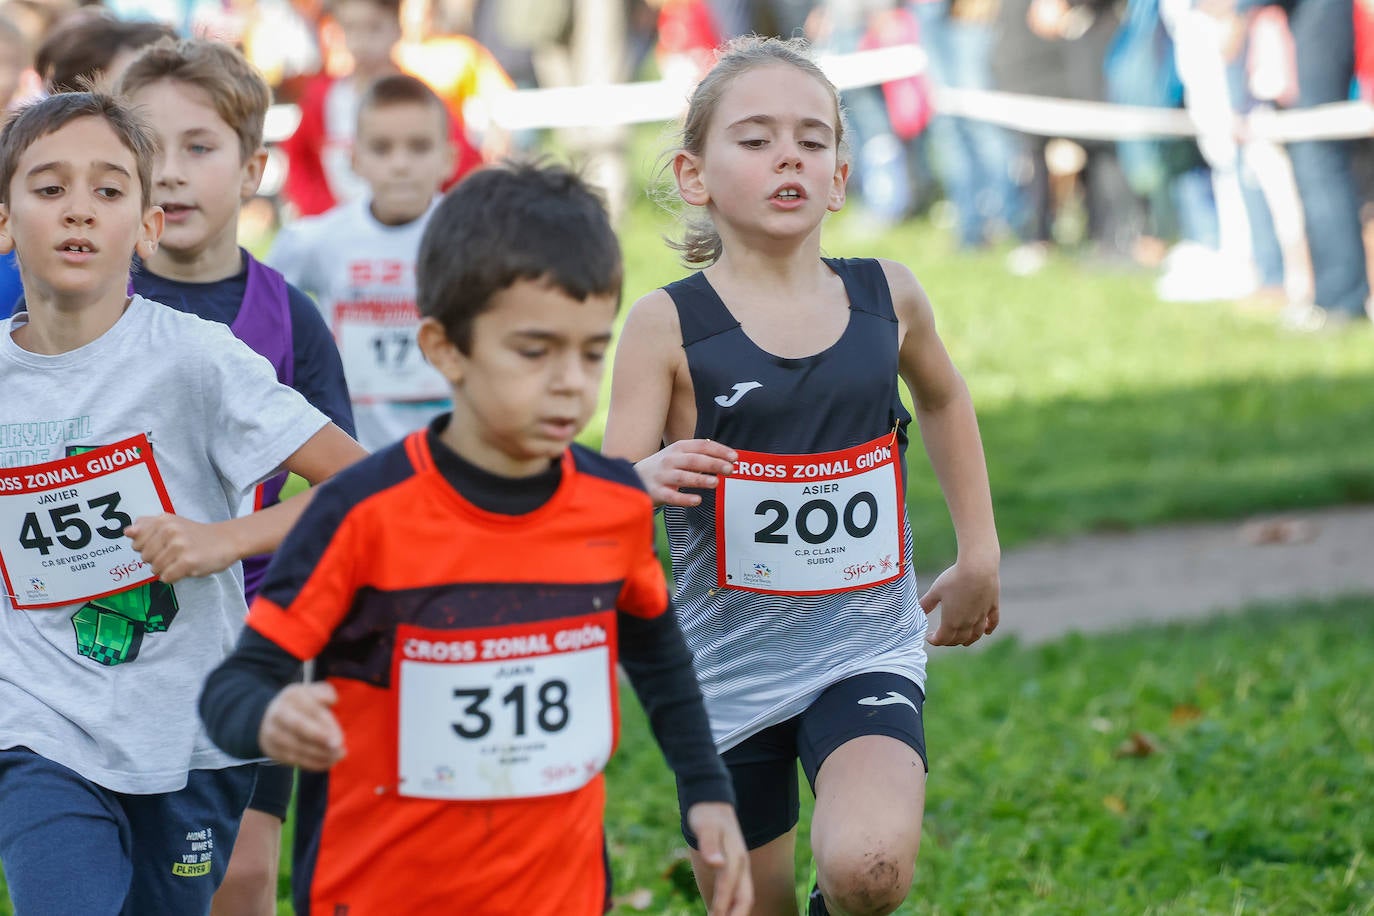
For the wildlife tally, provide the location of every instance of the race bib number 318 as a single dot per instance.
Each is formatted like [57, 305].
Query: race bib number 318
[62, 524]
[811, 524]
[504, 712]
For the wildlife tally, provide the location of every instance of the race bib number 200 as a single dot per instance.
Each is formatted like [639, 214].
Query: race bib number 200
[62, 524]
[811, 524]
[504, 712]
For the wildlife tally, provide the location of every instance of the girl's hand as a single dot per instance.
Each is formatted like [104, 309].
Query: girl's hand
[968, 598]
[723, 849]
[299, 729]
[178, 548]
[690, 463]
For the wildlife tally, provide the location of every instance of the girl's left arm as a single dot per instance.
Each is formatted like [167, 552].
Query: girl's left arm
[968, 592]
[178, 548]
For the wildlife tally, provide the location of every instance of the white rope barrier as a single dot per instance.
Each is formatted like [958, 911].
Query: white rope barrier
[665, 100]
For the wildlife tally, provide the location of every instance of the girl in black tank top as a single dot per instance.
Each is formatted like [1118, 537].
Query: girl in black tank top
[759, 399]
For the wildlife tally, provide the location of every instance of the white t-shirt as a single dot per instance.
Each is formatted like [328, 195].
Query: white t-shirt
[362, 275]
[92, 685]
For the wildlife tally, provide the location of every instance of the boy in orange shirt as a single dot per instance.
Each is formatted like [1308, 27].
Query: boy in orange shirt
[466, 594]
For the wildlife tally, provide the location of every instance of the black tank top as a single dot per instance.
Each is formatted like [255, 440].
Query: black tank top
[761, 659]
[843, 396]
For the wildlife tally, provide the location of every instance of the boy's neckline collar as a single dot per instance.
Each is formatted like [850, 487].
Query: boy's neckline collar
[496, 492]
[93, 346]
[242, 274]
[366, 203]
[140, 264]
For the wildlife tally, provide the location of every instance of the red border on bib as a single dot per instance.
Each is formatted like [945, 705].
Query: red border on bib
[784, 469]
[145, 457]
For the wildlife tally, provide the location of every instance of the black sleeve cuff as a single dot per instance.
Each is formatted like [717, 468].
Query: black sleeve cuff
[660, 669]
[237, 693]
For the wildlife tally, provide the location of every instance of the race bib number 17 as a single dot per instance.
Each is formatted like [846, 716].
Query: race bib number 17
[381, 357]
[62, 524]
[811, 524]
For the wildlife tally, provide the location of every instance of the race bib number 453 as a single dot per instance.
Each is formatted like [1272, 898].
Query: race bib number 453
[811, 524]
[62, 524]
[504, 712]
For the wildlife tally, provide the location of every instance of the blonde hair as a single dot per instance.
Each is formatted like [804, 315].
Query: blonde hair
[237, 91]
[700, 243]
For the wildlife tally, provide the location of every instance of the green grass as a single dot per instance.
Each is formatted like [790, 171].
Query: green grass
[1102, 408]
[1257, 798]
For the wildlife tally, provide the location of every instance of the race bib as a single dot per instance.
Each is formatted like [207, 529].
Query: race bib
[62, 524]
[811, 524]
[382, 360]
[505, 712]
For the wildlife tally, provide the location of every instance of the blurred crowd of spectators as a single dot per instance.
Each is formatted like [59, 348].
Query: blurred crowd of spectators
[1224, 215]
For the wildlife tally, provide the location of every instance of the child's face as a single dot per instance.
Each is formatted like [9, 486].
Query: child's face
[369, 33]
[404, 154]
[200, 178]
[769, 165]
[531, 379]
[75, 215]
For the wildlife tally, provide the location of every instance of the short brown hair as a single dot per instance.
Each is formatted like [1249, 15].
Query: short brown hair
[49, 115]
[237, 90]
[85, 45]
[514, 221]
[401, 89]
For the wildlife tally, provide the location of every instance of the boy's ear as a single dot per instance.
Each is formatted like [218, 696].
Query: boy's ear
[835, 199]
[690, 187]
[149, 232]
[6, 240]
[252, 174]
[442, 353]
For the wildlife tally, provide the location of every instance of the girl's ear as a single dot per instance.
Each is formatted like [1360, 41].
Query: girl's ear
[835, 199]
[6, 240]
[690, 187]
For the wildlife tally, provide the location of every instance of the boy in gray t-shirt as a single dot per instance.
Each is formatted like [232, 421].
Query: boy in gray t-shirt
[129, 436]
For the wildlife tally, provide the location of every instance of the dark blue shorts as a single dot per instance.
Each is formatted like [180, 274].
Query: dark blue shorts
[763, 767]
[69, 846]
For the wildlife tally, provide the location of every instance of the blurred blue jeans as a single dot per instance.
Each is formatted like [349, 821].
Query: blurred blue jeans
[1325, 43]
[1195, 208]
[882, 162]
[785, 18]
[972, 159]
[1264, 241]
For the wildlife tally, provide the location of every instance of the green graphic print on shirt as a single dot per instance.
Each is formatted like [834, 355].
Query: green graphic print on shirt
[110, 630]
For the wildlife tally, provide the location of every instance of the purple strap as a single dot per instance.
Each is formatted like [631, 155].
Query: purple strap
[264, 323]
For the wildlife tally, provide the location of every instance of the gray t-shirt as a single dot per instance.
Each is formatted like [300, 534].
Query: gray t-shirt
[109, 688]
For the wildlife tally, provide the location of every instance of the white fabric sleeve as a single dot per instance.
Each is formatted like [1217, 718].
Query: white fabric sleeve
[253, 422]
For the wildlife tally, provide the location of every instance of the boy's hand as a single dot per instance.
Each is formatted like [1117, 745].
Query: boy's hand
[721, 845]
[178, 548]
[968, 598]
[691, 463]
[299, 729]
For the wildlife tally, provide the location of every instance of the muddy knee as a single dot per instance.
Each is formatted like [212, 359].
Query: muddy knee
[874, 884]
